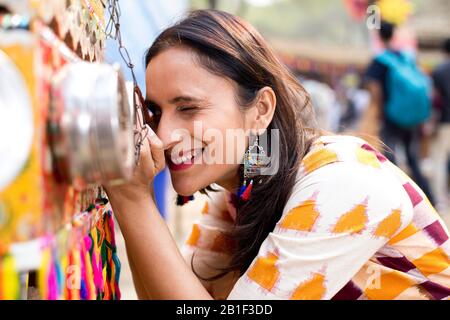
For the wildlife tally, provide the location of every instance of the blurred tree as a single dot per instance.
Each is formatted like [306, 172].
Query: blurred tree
[323, 21]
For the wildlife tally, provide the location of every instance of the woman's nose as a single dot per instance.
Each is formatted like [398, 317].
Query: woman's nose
[169, 132]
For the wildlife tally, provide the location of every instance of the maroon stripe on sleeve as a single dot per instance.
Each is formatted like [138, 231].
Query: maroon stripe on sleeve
[413, 194]
[436, 232]
[438, 291]
[401, 264]
[349, 292]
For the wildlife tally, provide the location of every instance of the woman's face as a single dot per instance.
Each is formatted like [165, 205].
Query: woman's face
[196, 110]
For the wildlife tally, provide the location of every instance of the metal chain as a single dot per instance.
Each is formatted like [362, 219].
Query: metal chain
[112, 31]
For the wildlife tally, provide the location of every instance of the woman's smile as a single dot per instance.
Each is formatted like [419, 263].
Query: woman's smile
[184, 160]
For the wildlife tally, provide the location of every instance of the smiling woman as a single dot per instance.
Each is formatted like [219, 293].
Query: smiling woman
[334, 219]
[194, 94]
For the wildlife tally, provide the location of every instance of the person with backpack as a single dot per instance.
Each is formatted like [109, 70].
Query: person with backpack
[401, 94]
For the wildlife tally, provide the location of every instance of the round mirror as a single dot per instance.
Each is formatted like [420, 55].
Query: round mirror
[95, 126]
[16, 121]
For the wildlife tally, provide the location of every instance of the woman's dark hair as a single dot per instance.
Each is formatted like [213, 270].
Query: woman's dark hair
[229, 47]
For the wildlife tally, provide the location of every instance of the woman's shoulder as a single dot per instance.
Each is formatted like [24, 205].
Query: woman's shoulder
[343, 177]
[338, 148]
[347, 161]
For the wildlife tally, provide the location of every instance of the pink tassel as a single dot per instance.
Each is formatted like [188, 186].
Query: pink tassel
[52, 283]
[110, 221]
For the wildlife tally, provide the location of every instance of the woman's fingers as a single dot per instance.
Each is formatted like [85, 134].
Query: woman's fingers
[146, 167]
[157, 150]
[151, 162]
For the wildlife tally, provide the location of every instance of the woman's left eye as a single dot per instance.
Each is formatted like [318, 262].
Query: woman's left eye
[186, 108]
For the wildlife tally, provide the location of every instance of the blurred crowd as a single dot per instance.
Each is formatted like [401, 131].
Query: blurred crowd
[406, 110]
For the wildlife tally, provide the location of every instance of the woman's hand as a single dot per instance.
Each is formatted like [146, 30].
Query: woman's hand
[147, 235]
[151, 162]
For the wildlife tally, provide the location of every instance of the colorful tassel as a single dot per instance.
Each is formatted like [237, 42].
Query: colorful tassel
[242, 189]
[59, 279]
[52, 282]
[74, 265]
[97, 263]
[43, 274]
[83, 284]
[10, 280]
[1, 280]
[89, 276]
[113, 263]
[182, 200]
[64, 266]
[246, 194]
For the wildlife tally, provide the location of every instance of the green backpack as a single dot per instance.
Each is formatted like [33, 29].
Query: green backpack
[409, 103]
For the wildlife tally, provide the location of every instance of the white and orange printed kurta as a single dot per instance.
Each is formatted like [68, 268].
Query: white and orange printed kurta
[354, 227]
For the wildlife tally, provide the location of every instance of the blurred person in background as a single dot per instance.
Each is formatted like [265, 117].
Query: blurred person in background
[355, 100]
[441, 147]
[398, 92]
[324, 103]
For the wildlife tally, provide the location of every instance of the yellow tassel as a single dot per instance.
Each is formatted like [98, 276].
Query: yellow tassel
[43, 274]
[90, 276]
[11, 281]
[64, 266]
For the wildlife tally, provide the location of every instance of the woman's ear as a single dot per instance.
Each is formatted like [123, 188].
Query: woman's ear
[265, 105]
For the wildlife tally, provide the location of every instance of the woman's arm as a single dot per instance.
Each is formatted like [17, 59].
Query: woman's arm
[141, 292]
[158, 264]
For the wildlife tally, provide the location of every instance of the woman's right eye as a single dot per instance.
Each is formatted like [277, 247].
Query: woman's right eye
[153, 109]
[155, 114]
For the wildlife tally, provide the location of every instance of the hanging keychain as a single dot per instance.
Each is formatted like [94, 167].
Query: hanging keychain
[143, 117]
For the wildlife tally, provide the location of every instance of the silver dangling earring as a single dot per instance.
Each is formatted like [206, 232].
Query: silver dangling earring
[255, 159]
